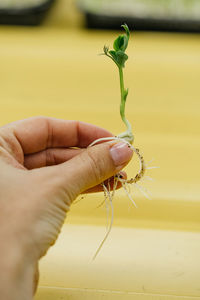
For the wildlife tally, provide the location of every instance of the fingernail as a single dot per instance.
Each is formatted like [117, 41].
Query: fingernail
[121, 153]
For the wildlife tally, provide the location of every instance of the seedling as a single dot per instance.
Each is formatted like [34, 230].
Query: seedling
[119, 57]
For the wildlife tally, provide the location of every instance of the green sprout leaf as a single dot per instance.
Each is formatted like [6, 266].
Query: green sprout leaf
[121, 58]
[105, 49]
[113, 54]
[120, 43]
[118, 54]
[125, 26]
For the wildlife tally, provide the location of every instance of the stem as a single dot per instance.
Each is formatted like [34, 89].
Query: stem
[128, 133]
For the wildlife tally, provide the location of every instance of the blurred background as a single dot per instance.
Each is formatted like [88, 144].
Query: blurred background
[50, 65]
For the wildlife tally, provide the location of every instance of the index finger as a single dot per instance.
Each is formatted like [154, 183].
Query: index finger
[40, 133]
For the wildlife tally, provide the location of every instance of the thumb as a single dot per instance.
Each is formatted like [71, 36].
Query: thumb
[91, 167]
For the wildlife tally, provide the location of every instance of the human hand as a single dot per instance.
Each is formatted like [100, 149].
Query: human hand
[45, 164]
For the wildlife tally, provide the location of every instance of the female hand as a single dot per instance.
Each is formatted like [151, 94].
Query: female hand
[44, 165]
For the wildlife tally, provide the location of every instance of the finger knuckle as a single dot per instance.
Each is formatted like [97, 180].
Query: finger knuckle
[50, 157]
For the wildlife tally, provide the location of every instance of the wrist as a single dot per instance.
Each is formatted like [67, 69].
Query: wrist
[17, 272]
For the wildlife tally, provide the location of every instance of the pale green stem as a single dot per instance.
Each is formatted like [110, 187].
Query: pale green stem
[122, 104]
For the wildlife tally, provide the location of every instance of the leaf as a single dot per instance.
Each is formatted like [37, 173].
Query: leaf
[121, 58]
[126, 37]
[105, 49]
[125, 43]
[113, 54]
[119, 43]
[125, 26]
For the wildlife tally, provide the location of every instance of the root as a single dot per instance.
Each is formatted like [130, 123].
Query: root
[79, 199]
[109, 195]
[124, 185]
[143, 190]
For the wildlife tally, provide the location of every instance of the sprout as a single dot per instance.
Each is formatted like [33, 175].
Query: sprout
[119, 57]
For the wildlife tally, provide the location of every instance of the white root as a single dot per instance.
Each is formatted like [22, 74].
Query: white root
[148, 178]
[128, 194]
[154, 167]
[108, 195]
[143, 190]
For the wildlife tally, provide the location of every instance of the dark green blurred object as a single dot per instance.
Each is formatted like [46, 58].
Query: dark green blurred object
[21, 12]
[162, 15]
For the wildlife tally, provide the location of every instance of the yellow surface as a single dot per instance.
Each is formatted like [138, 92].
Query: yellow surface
[153, 252]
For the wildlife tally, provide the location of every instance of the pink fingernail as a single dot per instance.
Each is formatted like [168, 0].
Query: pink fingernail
[121, 153]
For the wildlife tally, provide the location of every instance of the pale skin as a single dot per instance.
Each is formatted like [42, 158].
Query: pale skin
[45, 164]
